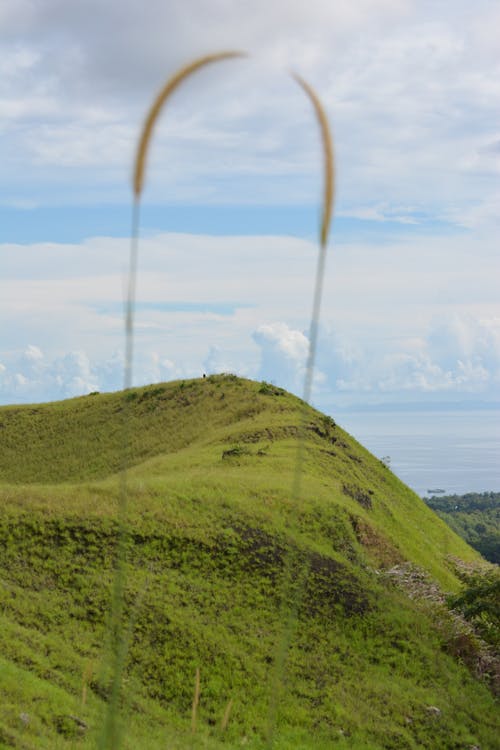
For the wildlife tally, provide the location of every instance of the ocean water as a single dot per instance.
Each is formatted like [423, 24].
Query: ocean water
[457, 451]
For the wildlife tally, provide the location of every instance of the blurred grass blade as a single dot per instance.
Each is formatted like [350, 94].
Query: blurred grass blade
[295, 572]
[196, 700]
[328, 162]
[158, 104]
[292, 589]
[112, 732]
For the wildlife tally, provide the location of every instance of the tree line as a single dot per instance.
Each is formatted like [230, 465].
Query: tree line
[475, 517]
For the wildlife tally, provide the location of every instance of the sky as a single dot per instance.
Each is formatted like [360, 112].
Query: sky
[228, 245]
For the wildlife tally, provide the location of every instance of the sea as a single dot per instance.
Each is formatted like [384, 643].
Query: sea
[451, 451]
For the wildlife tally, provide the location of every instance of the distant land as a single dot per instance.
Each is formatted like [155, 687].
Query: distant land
[475, 516]
[427, 404]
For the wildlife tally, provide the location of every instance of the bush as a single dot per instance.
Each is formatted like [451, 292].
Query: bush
[479, 602]
[236, 452]
[270, 390]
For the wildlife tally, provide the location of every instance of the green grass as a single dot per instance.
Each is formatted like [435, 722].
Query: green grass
[213, 523]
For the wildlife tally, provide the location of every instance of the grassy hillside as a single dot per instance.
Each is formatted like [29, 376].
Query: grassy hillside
[214, 527]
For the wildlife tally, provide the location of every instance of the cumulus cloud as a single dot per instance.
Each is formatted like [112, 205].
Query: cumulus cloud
[455, 339]
[283, 354]
[31, 376]
[223, 360]
[73, 374]
[408, 319]
[153, 367]
[458, 357]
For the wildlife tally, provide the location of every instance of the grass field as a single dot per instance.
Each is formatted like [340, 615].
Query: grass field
[214, 527]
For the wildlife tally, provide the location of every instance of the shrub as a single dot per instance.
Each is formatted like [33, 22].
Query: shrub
[479, 602]
[267, 389]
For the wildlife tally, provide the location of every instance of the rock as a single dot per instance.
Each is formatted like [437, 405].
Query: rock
[70, 726]
[433, 711]
[79, 722]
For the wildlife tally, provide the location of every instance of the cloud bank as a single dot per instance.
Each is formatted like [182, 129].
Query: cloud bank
[458, 359]
[412, 89]
[413, 319]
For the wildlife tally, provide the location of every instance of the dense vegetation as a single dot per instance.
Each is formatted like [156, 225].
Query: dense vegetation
[217, 550]
[479, 602]
[475, 517]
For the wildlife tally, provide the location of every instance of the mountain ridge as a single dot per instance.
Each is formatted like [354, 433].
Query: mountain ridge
[212, 518]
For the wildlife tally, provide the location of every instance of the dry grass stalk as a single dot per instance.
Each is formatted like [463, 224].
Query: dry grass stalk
[227, 713]
[171, 85]
[292, 583]
[327, 208]
[329, 171]
[196, 700]
[87, 676]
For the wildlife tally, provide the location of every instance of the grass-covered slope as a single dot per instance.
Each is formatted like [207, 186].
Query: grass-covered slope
[213, 527]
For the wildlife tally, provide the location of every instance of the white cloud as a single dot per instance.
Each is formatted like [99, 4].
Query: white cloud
[33, 356]
[458, 355]
[409, 317]
[283, 355]
[32, 376]
[414, 97]
[73, 375]
[223, 360]
[465, 339]
[458, 365]
[412, 88]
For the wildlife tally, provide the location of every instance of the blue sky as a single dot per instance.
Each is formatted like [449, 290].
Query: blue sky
[411, 309]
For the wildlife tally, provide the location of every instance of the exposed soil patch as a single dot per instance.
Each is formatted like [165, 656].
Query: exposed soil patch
[327, 584]
[285, 432]
[362, 496]
[268, 434]
[259, 551]
[330, 585]
[236, 452]
[380, 549]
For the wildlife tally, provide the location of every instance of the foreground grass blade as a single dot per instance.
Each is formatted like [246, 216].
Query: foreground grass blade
[296, 573]
[111, 738]
[158, 104]
[292, 589]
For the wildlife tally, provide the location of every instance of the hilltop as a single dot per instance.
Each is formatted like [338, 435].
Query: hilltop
[375, 660]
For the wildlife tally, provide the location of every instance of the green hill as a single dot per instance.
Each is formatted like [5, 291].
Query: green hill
[374, 660]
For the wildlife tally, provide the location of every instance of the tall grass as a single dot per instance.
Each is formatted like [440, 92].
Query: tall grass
[196, 700]
[292, 585]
